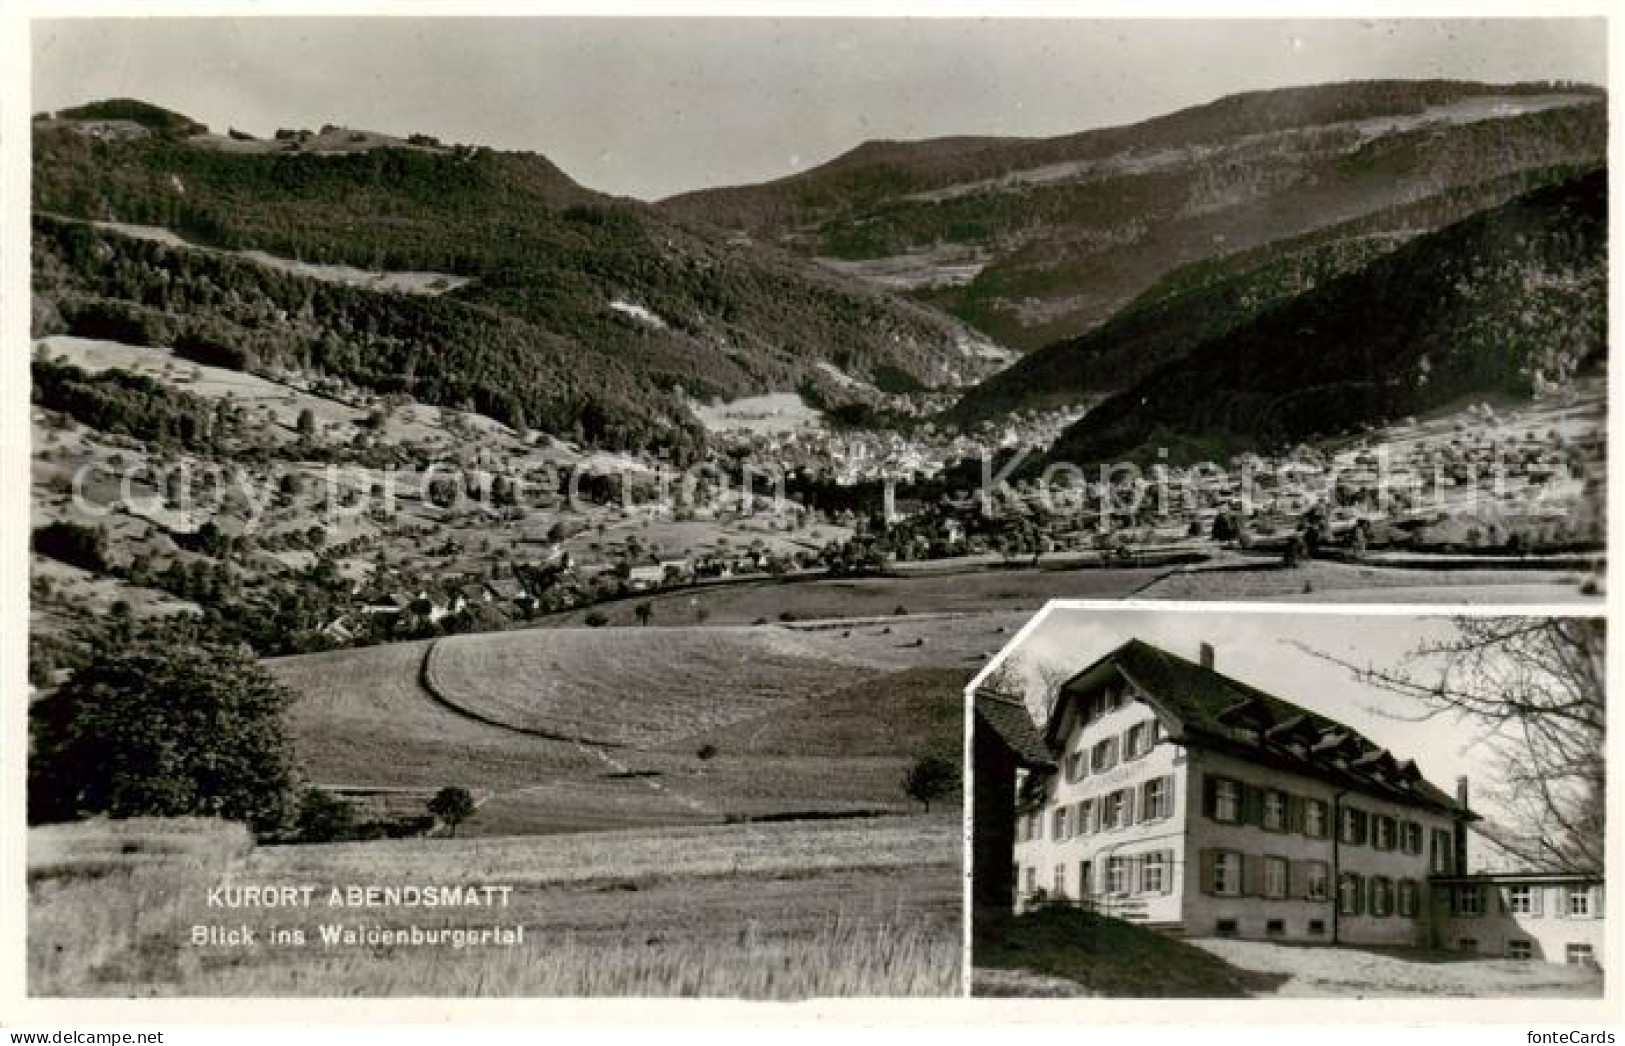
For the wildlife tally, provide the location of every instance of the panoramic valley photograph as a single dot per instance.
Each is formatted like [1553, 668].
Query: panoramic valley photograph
[516, 503]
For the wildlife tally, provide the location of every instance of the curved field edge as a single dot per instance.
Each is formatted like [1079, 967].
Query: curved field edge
[637, 687]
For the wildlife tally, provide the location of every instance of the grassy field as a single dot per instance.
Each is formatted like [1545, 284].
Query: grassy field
[1327, 582]
[982, 591]
[1039, 952]
[760, 911]
[803, 720]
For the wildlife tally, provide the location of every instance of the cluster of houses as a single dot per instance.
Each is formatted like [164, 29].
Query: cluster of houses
[1162, 792]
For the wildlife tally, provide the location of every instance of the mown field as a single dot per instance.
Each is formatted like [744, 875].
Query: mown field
[569, 730]
[857, 907]
[996, 591]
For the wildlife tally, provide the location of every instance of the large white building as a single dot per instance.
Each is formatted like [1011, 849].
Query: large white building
[1192, 802]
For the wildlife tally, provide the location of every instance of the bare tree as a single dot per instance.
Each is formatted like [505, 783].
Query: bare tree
[1534, 688]
[1029, 680]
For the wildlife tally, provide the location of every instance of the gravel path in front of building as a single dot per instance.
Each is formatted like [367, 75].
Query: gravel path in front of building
[1322, 972]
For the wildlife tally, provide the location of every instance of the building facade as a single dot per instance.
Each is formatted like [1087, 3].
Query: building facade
[1553, 917]
[1190, 802]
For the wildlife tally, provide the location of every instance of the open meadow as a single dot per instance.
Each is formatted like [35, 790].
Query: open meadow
[785, 910]
[568, 730]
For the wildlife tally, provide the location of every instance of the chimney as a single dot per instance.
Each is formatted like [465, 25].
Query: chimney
[1207, 656]
[1461, 792]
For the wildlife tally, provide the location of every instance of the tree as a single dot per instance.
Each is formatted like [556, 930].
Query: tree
[1534, 690]
[643, 611]
[165, 729]
[323, 817]
[306, 425]
[452, 805]
[931, 777]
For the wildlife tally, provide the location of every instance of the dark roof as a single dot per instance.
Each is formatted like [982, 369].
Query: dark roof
[1007, 717]
[1210, 710]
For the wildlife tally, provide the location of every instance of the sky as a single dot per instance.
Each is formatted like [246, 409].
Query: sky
[1277, 653]
[650, 107]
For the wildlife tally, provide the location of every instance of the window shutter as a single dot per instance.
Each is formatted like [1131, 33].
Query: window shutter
[1167, 871]
[1536, 893]
[1128, 807]
[1207, 859]
[1210, 796]
[1359, 895]
[1294, 812]
[1596, 902]
[1252, 875]
[1297, 878]
[1501, 899]
[1136, 875]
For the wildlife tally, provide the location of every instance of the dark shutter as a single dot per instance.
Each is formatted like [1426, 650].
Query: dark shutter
[1207, 859]
[1210, 796]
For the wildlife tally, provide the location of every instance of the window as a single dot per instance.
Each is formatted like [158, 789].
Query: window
[1317, 884]
[1382, 896]
[1520, 900]
[1227, 874]
[1154, 873]
[1117, 875]
[1384, 832]
[1076, 768]
[1032, 879]
[1578, 955]
[1225, 927]
[1467, 944]
[1104, 756]
[1273, 817]
[1579, 901]
[1115, 811]
[1134, 742]
[1314, 818]
[1060, 880]
[1226, 800]
[1060, 823]
[1470, 900]
[1352, 828]
[1086, 817]
[1275, 876]
[1412, 837]
[1155, 801]
[1275, 928]
[1520, 949]
[1443, 852]
[1317, 927]
[1408, 897]
[1086, 879]
[1350, 891]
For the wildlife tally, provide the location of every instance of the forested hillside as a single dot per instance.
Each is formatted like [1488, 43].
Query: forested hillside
[1035, 241]
[566, 310]
[1500, 303]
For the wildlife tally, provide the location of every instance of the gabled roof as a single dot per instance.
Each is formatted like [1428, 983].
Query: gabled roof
[1007, 717]
[1208, 709]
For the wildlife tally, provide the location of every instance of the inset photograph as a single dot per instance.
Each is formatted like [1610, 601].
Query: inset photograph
[1179, 802]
